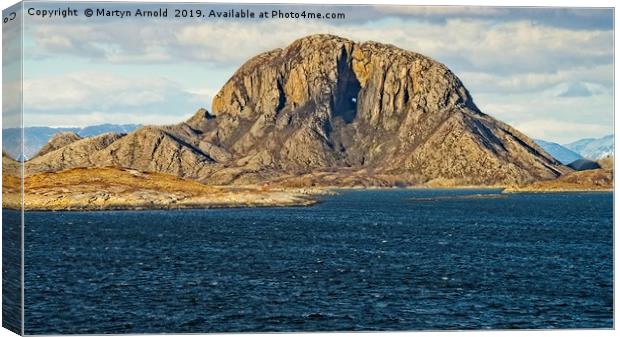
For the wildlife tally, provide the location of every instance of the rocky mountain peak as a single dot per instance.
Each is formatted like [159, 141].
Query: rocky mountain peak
[326, 101]
[200, 116]
[57, 141]
[325, 105]
[344, 76]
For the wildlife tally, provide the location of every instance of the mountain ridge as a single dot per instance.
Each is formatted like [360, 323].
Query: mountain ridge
[329, 107]
[561, 153]
[593, 148]
[36, 137]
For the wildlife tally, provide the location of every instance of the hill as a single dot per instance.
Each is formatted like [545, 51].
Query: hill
[36, 137]
[112, 188]
[327, 106]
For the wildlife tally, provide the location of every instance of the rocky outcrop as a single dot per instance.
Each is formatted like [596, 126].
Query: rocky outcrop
[10, 166]
[328, 102]
[80, 153]
[154, 149]
[57, 141]
[112, 188]
[601, 179]
[323, 106]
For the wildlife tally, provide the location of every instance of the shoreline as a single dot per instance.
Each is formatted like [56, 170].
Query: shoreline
[296, 199]
[114, 189]
[311, 202]
[555, 191]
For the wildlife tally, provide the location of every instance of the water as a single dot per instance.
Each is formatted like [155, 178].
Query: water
[362, 260]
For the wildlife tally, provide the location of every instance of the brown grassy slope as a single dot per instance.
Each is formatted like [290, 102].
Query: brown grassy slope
[590, 180]
[114, 188]
[607, 162]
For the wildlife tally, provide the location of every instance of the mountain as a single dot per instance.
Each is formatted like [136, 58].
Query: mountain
[584, 165]
[328, 111]
[36, 137]
[559, 152]
[593, 148]
[59, 140]
[80, 153]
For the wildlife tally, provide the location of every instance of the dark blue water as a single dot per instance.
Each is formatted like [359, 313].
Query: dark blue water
[12, 271]
[362, 260]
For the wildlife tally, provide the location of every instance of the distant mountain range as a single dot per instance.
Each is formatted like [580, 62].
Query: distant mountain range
[587, 148]
[36, 137]
[593, 148]
[559, 152]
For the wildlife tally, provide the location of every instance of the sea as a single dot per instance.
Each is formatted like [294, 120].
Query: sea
[361, 260]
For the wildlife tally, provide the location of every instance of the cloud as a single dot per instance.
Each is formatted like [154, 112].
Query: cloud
[204, 94]
[487, 82]
[97, 90]
[564, 17]
[98, 117]
[579, 89]
[93, 97]
[534, 114]
[442, 12]
[462, 43]
[520, 65]
[560, 131]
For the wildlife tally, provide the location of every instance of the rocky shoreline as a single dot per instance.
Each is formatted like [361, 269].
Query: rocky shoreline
[93, 189]
[599, 180]
[110, 188]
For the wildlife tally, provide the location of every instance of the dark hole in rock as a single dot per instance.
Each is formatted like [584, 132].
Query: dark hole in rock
[344, 102]
[281, 97]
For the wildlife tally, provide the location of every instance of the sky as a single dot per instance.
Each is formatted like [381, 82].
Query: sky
[546, 71]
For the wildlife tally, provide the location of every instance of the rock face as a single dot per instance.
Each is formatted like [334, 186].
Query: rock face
[57, 141]
[156, 150]
[327, 104]
[80, 153]
[151, 149]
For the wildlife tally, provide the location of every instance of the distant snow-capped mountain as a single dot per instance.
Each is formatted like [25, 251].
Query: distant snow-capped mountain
[593, 148]
[559, 152]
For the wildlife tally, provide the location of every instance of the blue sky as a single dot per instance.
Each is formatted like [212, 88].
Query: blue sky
[546, 71]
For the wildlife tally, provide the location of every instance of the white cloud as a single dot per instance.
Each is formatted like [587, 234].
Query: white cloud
[96, 90]
[466, 44]
[98, 117]
[86, 98]
[560, 131]
[205, 94]
[534, 114]
[518, 70]
[578, 89]
[485, 82]
[441, 11]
